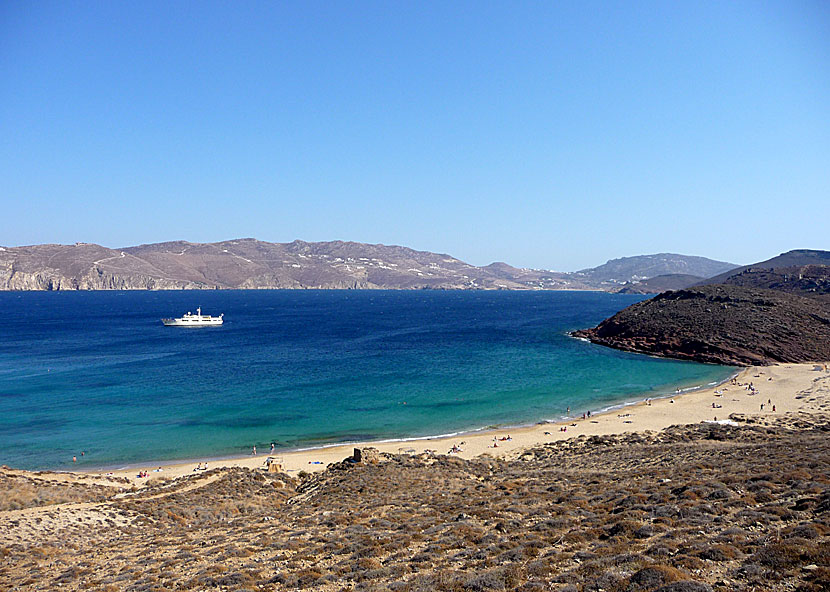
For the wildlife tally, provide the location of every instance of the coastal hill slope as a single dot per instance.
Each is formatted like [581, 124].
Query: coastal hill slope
[810, 281]
[794, 258]
[758, 315]
[689, 509]
[253, 264]
[240, 264]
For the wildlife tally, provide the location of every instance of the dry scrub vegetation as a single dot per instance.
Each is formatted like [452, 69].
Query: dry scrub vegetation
[20, 490]
[696, 508]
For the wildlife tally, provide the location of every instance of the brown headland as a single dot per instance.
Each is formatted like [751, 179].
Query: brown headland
[753, 315]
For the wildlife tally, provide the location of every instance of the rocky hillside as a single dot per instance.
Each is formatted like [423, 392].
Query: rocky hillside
[661, 283]
[790, 259]
[633, 269]
[811, 281]
[706, 508]
[722, 324]
[254, 264]
[241, 264]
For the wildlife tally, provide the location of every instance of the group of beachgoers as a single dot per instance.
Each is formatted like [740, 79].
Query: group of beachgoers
[748, 386]
[199, 467]
[496, 440]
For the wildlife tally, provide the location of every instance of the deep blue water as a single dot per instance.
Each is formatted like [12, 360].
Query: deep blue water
[97, 371]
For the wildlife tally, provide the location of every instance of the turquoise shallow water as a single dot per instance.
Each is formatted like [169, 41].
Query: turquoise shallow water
[98, 372]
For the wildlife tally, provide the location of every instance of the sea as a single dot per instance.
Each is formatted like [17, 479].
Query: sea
[95, 375]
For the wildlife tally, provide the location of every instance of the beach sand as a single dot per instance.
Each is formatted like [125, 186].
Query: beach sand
[786, 388]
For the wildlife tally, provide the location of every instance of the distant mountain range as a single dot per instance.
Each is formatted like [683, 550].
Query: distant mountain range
[773, 311]
[253, 264]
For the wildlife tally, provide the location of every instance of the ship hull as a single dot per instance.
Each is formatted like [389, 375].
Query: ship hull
[194, 320]
[189, 323]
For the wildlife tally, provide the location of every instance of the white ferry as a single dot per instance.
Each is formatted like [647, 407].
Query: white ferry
[194, 320]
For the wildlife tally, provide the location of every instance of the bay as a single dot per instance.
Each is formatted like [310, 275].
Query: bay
[98, 372]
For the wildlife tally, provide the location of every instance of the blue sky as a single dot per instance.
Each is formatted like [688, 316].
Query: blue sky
[544, 134]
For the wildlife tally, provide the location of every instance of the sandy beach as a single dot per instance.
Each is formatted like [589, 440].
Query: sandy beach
[776, 390]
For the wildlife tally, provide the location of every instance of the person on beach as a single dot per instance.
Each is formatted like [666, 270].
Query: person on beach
[253, 451]
[74, 459]
[272, 448]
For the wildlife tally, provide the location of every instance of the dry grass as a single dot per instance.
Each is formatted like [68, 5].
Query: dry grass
[19, 491]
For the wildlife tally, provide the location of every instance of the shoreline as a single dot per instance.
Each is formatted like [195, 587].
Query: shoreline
[783, 386]
[218, 460]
